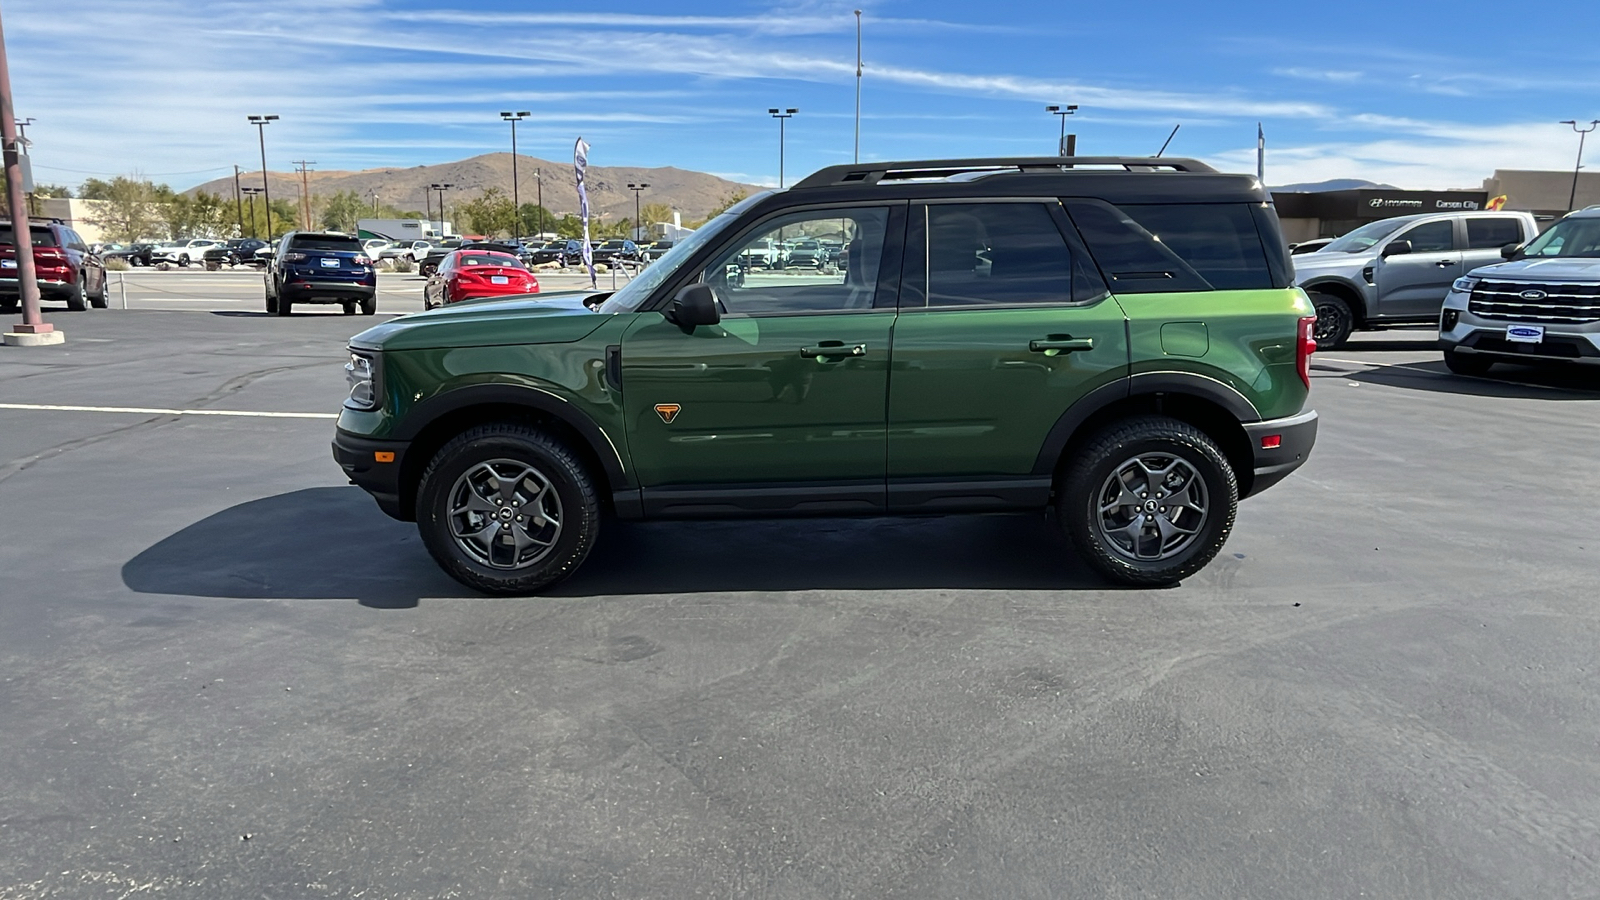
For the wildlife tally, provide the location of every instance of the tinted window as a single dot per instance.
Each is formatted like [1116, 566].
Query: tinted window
[992, 254]
[329, 242]
[745, 280]
[1217, 240]
[1131, 258]
[1434, 237]
[1492, 234]
[490, 259]
[41, 234]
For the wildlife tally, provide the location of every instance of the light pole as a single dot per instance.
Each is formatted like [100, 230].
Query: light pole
[238, 199]
[516, 198]
[441, 188]
[1063, 112]
[261, 123]
[33, 329]
[1572, 199]
[637, 225]
[538, 179]
[251, 192]
[781, 115]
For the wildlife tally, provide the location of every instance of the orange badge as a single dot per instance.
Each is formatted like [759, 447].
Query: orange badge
[667, 411]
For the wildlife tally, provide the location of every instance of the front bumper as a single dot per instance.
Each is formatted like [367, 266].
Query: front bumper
[1474, 335]
[1294, 435]
[360, 457]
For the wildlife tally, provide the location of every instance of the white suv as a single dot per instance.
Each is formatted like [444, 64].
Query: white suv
[1540, 307]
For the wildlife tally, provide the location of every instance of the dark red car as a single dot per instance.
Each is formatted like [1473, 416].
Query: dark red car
[468, 274]
[68, 270]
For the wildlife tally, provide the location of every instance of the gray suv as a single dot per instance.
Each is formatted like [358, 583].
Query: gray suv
[1540, 307]
[1397, 271]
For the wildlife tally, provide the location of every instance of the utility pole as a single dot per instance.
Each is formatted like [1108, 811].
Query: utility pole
[251, 192]
[858, 87]
[782, 116]
[1064, 148]
[33, 330]
[305, 193]
[1572, 198]
[261, 123]
[238, 199]
[516, 198]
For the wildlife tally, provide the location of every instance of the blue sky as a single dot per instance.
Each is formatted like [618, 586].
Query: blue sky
[1419, 94]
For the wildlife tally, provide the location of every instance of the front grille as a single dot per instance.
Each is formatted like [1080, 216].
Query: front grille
[1563, 304]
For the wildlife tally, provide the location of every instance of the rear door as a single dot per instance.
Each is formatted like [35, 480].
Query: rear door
[780, 406]
[1412, 285]
[1004, 324]
[1486, 236]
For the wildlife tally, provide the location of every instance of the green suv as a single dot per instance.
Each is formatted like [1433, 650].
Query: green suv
[1115, 339]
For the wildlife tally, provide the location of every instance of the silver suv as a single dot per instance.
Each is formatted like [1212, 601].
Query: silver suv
[1397, 271]
[1540, 307]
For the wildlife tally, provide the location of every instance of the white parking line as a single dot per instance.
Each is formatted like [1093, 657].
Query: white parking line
[153, 411]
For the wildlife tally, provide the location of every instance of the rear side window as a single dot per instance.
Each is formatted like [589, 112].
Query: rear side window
[992, 254]
[337, 244]
[1492, 234]
[41, 234]
[1146, 248]
[1433, 237]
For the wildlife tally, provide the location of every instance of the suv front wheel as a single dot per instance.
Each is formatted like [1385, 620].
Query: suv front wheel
[1148, 501]
[507, 509]
[1335, 321]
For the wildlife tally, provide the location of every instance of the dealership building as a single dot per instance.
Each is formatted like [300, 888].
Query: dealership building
[1309, 215]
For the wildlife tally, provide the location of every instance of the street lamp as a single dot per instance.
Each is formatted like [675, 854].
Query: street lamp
[1572, 199]
[1063, 112]
[637, 225]
[538, 179]
[516, 198]
[250, 193]
[781, 115]
[261, 123]
[441, 188]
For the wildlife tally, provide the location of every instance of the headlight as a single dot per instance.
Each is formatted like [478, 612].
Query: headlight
[1465, 284]
[359, 374]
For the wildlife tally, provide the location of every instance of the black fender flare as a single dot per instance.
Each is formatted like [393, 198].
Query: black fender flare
[1142, 384]
[431, 410]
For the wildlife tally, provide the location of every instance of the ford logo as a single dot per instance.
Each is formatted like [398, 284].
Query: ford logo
[1533, 295]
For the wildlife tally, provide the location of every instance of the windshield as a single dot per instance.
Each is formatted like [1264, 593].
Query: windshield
[1569, 237]
[636, 291]
[1365, 237]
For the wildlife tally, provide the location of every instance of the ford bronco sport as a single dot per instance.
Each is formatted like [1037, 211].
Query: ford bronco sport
[1118, 340]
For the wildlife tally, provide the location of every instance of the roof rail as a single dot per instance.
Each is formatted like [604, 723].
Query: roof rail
[872, 173]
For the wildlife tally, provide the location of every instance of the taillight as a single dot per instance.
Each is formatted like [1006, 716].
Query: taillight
[363, 261]
[293, 257]
[1305, 345]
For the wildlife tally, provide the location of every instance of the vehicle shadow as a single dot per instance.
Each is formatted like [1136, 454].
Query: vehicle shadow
[1505, 380]
[1390, 345]
[331, 543]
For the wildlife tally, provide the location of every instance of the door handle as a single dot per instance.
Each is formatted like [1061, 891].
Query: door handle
[832, 350]
[1065, 345]
[1445, 263]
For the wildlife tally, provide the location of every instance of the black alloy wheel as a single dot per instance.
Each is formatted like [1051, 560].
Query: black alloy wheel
[1335, 321]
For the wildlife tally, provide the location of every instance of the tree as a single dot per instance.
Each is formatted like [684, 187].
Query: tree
[52, 190]
[342, 211]
[490, 213]
[652, 213]
[724, 204]
[535, 218]
[570, 226]
[130, 209]
[185, 216]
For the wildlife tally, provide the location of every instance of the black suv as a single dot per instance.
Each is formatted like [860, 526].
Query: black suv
[616, 250]
[237, 252]
[430, 264]
[312, 267]
[67, 269]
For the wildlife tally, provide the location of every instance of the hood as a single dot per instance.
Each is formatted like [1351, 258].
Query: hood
[1323, 262]
[1560, 268]
[557, 318]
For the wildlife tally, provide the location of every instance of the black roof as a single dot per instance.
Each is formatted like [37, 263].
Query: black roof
[1127, 179]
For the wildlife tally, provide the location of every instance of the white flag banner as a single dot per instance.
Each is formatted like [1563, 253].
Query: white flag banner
[580, 164]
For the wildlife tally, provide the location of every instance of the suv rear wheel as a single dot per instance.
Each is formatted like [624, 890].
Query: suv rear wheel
[1335, 321]
[79, 301]
[507, 509]
[1148, 501]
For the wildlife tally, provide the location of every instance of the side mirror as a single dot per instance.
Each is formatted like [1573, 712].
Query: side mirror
[693, 306]
[1511, 251]
[1396, 248]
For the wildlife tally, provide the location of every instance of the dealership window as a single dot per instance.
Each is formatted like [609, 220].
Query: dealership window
[1154, 248]
[1492, 234]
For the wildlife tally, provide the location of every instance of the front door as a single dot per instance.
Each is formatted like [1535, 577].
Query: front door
[1003, 325]
[1412, 285]
[780, 406]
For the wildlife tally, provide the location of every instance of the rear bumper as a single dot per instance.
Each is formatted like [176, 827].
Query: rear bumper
[50, 290]
[1295, 437]
[307, 290]
[358, 457]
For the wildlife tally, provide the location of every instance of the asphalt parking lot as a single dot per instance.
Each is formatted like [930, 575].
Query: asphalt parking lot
[224, 673]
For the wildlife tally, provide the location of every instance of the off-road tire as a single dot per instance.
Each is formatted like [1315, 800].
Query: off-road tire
[1462, 364]
[1335, 321]
[571, 481]
[79, 301]
[1093, 464]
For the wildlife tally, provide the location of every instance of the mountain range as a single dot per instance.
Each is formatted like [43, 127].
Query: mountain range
[694, 194]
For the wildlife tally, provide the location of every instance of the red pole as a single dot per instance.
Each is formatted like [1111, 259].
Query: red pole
[27, 277]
